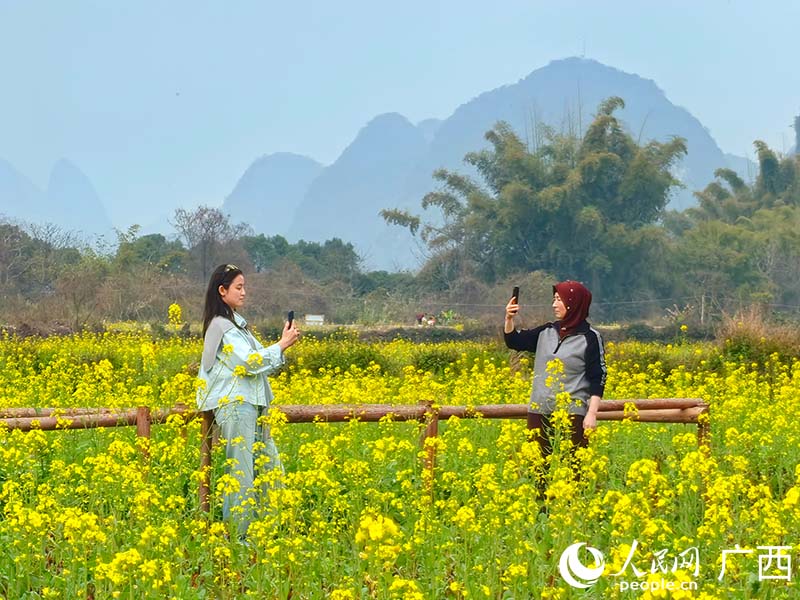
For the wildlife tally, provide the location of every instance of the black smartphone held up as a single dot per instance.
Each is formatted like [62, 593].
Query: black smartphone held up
[515, 294]
[290, 317]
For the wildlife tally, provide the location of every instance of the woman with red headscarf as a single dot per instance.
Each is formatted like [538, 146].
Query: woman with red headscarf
[581, 372]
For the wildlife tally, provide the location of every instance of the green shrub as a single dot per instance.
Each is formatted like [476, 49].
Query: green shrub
[435, 359]
[342, 354]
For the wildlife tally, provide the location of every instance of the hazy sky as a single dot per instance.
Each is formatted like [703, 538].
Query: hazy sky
[165, 104]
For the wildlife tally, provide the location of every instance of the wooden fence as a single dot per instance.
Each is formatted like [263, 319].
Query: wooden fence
[657, 410]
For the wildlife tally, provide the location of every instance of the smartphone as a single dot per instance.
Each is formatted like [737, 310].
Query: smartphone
[515, 294]
[290, 317]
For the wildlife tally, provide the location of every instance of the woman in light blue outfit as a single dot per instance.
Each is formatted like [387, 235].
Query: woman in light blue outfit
[234, 371]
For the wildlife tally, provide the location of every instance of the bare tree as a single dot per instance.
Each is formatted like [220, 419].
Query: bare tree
[78, 288]
[52, 241]
[204, 230]
[54, 235]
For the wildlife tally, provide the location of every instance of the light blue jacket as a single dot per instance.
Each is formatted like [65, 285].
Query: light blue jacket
[235, 365]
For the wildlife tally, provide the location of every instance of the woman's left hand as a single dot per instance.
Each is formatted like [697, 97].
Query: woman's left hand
[589, 422]
[289, 336]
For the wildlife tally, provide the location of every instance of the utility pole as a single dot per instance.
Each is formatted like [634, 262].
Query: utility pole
[797, 134]
[703, 309]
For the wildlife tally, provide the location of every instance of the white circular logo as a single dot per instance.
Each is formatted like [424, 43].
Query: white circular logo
[574, 572]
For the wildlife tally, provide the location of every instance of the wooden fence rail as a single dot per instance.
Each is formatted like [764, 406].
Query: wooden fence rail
[50, 419]
[656, 410]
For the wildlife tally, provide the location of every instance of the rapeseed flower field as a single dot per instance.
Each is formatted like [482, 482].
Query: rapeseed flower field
[650, 514]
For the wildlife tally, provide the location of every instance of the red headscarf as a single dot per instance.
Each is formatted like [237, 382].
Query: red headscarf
[576, 300]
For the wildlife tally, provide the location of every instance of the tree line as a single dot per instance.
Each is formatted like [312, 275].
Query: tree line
[586, 205]
[50, 277]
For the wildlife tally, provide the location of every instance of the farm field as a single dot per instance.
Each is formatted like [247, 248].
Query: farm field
[83, 514]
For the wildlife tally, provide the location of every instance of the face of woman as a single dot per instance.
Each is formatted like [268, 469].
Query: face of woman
[558, 307]
[234, 295]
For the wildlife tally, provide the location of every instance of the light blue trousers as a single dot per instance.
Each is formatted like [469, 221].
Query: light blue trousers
[239, 426]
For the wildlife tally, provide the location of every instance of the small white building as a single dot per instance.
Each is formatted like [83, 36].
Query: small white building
[314, 320]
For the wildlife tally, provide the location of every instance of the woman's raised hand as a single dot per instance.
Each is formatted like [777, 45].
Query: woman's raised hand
[512, 308]
[290, 335]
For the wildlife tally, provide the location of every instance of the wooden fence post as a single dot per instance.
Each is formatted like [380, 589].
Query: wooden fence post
[143, 427]
[205, 458]
[431, 431]
[704, 430]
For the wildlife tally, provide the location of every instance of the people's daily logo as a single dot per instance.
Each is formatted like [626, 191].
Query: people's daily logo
[575, 572]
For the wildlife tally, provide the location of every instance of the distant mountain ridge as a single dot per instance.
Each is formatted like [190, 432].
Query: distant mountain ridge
[70, 200]
[390, 162]
[566, 93]
[269, 193]
[344, 201]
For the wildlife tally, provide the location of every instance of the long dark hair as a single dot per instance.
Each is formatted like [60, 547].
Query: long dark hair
[215, 306]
